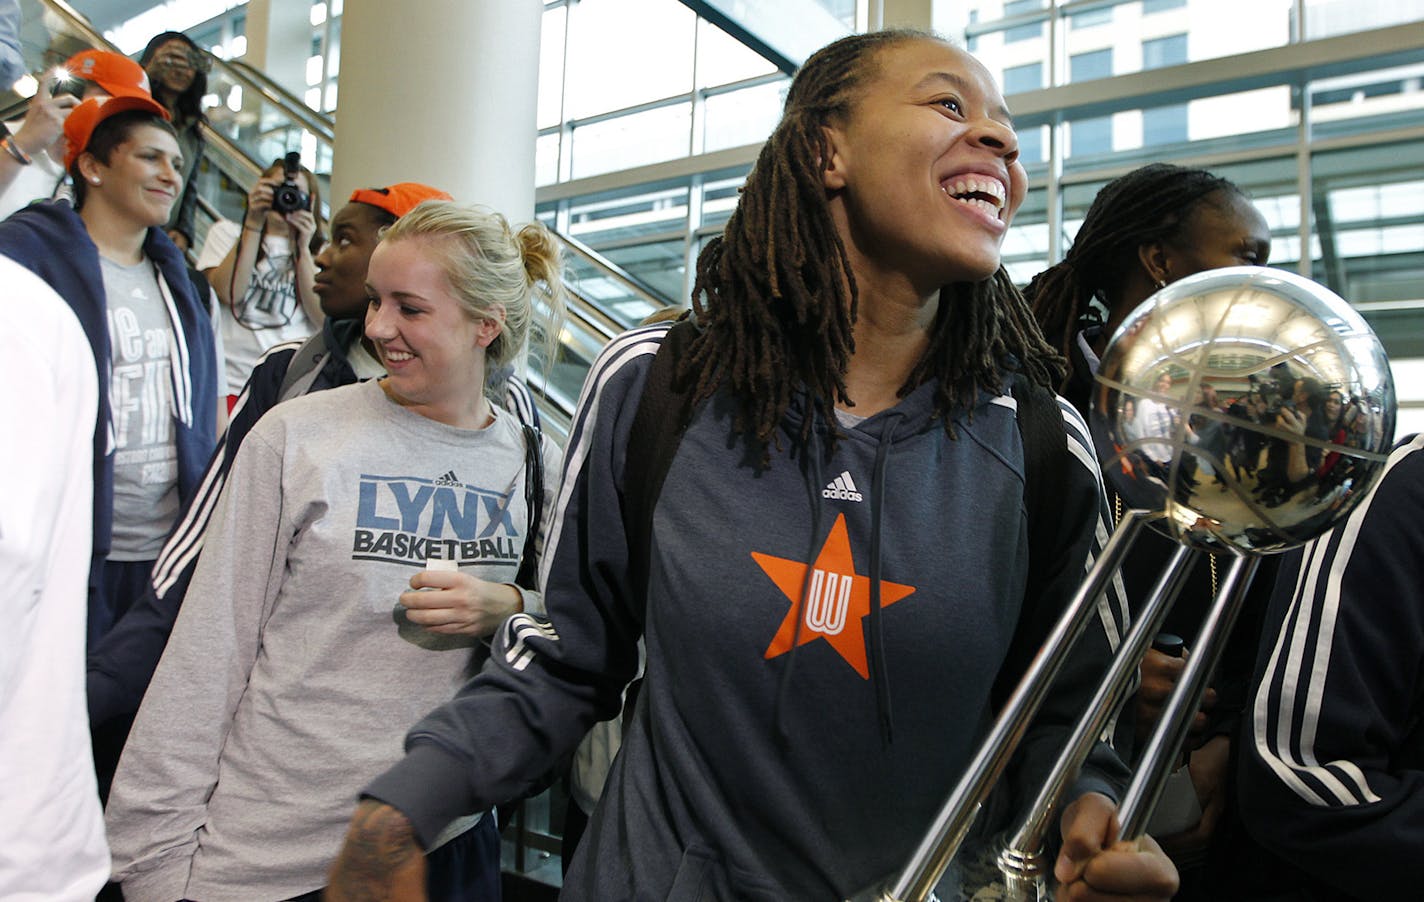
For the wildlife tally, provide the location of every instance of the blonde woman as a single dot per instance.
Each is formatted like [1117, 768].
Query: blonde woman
[315, 633]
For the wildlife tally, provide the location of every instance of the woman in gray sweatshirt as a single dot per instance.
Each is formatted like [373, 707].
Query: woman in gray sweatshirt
[366, 537]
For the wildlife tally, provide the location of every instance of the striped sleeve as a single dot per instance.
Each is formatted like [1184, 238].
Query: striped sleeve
[122, 663]
[1332, 771]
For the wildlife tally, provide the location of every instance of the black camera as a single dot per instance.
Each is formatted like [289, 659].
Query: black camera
[288, 197]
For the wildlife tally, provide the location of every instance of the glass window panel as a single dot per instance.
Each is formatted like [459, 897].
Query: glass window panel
[1028, 77]
[633, 140]
[1324, 18]
[1086, 66]
[1025, 249]
[546, 159]
[602, 220]
[1368, 232]
[1018, 33]
[626, 52]
[722, 59]
[1157, 6]
[719, 198]
[1033, 144]
[551, 66]
[1091, 18]
[1381, 99]
[1168, 51]
[660, 265]
[1164, 125]
[743, 117]
[1090, 137]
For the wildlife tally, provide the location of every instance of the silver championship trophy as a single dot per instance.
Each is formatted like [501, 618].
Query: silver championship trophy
[1301, 440]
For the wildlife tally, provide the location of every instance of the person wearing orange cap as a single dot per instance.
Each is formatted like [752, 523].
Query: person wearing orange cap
[149, 330]
[31, 154]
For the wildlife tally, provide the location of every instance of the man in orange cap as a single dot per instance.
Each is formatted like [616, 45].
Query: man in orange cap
[33, 148]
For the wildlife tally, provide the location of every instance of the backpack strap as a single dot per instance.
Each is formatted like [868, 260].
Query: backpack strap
[664, 410]
[304, 367]
[528, 576]
[1045, 444]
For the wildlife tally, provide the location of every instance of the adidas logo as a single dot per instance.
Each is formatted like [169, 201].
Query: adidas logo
[842, 487]
[449, 479]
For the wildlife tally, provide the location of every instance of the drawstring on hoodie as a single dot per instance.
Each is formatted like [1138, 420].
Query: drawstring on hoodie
[878, 674]
[814, 479]
[813, 483]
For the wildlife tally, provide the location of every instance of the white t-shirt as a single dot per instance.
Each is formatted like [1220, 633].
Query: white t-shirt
[36, 181]
[141, 410]
[51, 828]
[268, 313]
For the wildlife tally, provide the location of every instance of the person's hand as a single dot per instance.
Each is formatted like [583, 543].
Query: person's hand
[1160, 673]
[1291, 420]
[179, 239]
[380, 859]
[303, 225]
[43, 128]
[1094, 866]
[259, 201]
[1207, 767]
[457, 603]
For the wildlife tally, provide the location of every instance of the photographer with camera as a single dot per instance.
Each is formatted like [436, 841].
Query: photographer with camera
[263, 269]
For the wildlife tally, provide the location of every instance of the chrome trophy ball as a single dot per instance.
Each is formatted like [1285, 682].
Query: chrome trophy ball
[1250, 406]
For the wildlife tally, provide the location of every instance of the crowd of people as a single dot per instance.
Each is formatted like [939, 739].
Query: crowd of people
[345, 598]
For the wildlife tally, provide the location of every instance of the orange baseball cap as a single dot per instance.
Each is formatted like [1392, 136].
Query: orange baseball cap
[398, 199]
[114, 72]
[83, 119]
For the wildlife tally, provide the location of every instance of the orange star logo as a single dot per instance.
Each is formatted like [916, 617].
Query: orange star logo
[837, 598]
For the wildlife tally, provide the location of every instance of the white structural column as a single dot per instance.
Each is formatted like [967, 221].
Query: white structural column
[903, 14]
[279, 38]
[443, 92]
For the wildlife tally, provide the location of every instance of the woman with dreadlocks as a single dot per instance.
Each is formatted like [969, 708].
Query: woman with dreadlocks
[1144, 230]
[834, 567]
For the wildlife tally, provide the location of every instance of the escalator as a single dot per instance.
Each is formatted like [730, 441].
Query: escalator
[253, 121]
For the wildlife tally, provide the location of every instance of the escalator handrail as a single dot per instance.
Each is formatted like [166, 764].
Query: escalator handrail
[642, 289]
[249, 76]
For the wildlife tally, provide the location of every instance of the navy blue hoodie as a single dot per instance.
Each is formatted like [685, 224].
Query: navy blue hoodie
[766, 760]
[50, 240]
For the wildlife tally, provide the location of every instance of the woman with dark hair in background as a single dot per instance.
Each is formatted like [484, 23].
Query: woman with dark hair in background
[178, 75]
[1143, 231]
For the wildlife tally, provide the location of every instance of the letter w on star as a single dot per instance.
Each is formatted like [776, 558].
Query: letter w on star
[837, 598]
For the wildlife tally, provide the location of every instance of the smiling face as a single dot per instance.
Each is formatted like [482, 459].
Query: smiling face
[433, 351]
[923, 173]
[141, 179]
[341, 266]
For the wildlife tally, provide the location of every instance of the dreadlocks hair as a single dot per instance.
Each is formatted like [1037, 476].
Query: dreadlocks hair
[776, 298]
[1147, 205]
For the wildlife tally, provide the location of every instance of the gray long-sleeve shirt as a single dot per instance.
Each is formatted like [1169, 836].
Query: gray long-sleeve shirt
[292, 675]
